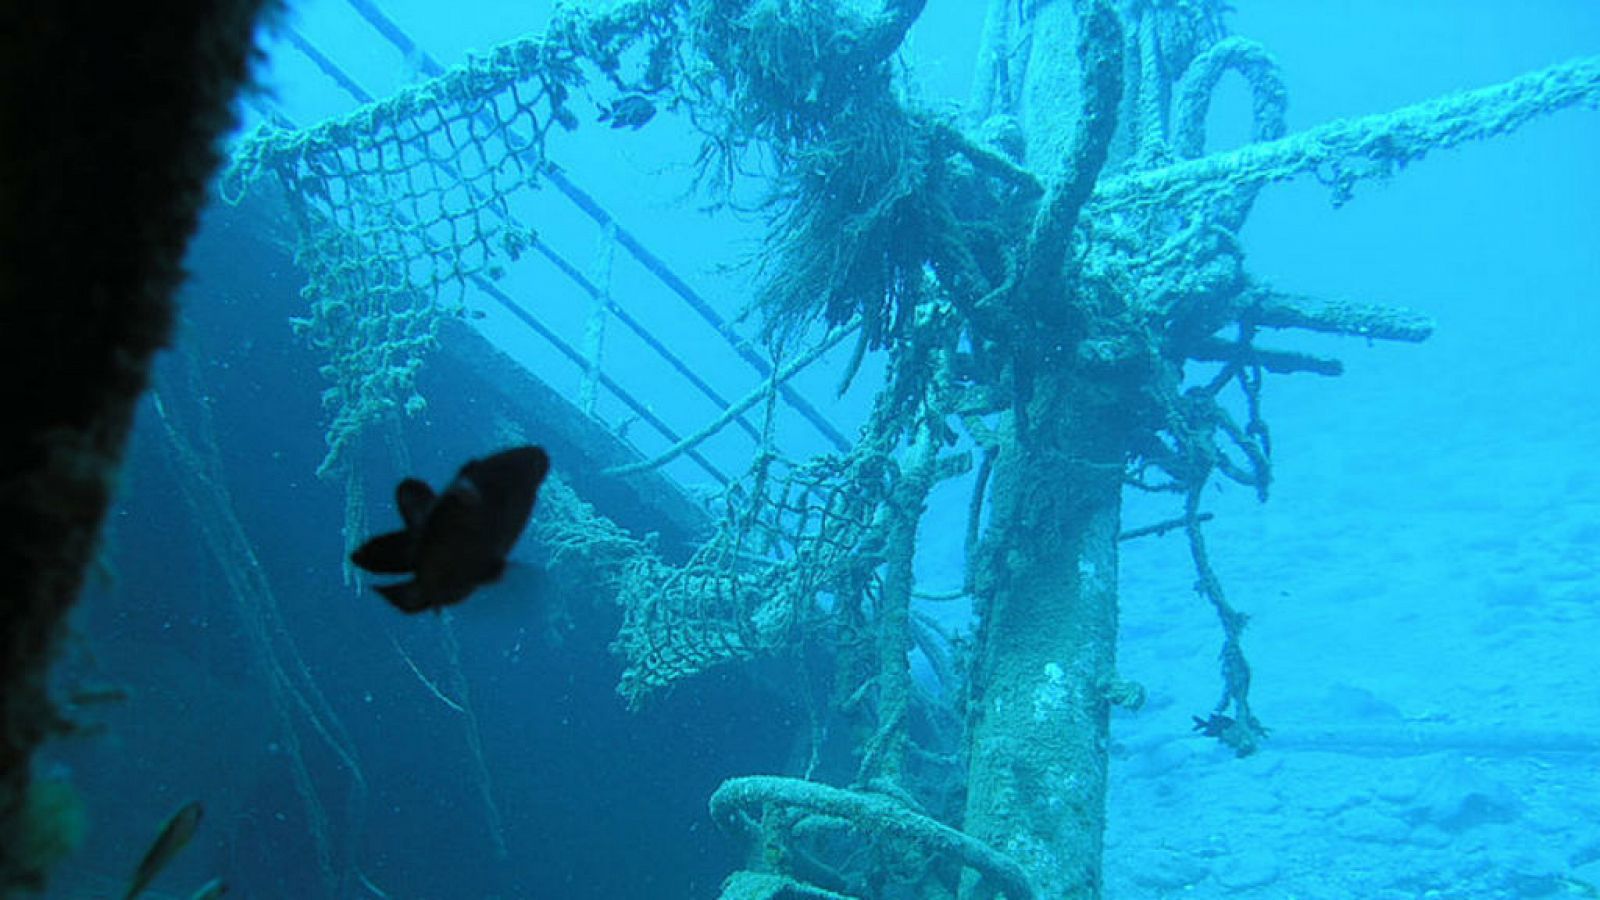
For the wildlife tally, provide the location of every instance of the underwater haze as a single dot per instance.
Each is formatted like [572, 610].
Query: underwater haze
[1422, 586]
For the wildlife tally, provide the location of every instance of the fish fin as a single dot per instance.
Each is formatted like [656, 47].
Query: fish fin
[512, 601]
[212, 889]
[386, 554]
[405, 596]
[415, 499]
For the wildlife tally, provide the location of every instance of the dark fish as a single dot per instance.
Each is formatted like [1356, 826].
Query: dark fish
[456, 541]
[174, 837]
[1216, 725]
[1243, 737]
[629, 111]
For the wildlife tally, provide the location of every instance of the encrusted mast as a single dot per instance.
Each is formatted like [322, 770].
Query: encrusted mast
[1040, 278]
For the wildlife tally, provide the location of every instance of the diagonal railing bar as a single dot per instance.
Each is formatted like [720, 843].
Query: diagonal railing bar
[644, 334]
[571, 352]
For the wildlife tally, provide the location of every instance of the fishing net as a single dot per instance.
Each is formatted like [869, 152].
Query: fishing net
[404, 203]
[790, 536]
[887, 218]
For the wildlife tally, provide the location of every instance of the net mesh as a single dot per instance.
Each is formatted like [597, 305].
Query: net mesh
[796, 545]
[404, 203]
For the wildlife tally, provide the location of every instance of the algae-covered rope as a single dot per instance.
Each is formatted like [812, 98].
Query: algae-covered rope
[736, 799]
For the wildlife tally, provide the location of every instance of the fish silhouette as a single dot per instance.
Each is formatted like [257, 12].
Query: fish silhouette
[456, 541]
[174, 836]
[629, 111]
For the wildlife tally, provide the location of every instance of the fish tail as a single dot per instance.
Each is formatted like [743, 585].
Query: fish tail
[405, 596]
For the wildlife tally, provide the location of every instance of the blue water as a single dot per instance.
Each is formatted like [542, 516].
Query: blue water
[1424, 584]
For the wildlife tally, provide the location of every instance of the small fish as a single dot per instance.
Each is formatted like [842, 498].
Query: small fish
[1216, 725]
[174, 837]
[211, 890]
[629, 111]
[457, 541]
